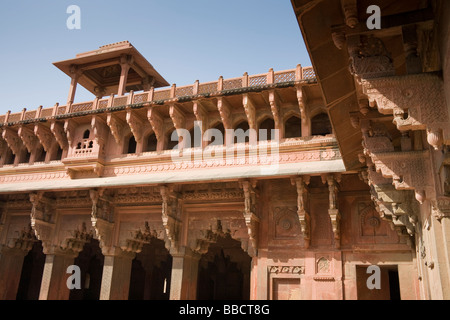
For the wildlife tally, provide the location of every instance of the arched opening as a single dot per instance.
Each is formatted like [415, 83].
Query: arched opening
[25, 157]
[151, 143]
[40, 155]
[86, 134]
[57, 155]
[31, 276]
[215, 141]
[237, 133]
[265, 129]
[131, 145]
[224, 272]
[10, 157]
[172, 144]
[90, 260]
[293, 127]
[196, 137]
[320, 125]
[151, 273]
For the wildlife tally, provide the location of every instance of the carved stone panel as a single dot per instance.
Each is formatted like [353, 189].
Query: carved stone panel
[286, 223]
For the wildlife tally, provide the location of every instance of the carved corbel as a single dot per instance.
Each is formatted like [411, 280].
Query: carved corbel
[136, 124]
[201, 239]
[301, 184]
[57, 128]
[251, 219]
[179, 121]
[171, 214]
[157, 123]
[13, 140]
[24, 242]
[116, 126]
[78, 239]
[441, 208]
[44, 135]
[250, 110]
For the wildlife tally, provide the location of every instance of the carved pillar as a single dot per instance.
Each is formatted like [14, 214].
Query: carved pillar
[302, 207]
[275, 107]
[75, 74]
[251, 219]
[137, 128]
[171, 217]
[183, 285]
[306, 130]
[333, 211]
[179, 122]
[225, 115]
[125, 64]
[11, 261]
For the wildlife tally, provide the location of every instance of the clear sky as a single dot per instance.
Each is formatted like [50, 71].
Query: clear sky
[184, 40]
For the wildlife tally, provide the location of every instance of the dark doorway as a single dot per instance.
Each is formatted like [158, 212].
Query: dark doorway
[151, 273]
[224, 272]
[389, 285]
[31, 277]
[293, 127]
[90, 261]
[132, 145]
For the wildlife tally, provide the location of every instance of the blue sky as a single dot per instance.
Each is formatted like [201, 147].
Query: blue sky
[183, 40]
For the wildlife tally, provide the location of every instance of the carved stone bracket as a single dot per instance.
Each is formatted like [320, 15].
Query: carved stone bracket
[44, 135]
[24, 242]
[395, 206]
[116, 126]
[102, 219]
[302, 206]
[369, 57]
[57, 129]
[136, 125]
[13, 140]
[42, 220]
[251, 219]
[275, 105]
[301, 102]
[171, 215]
[225, 112]
[28, 138]
[76, 242]
[139, 239]
[250, 110]
[201, 239]
[441, 208]
[201, 115]
[416, 101]
[157, 123]
[69, 129]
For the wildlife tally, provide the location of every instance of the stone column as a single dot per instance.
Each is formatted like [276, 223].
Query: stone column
[183, 284]
[116, 275]
[54, 277]
[125, 64]
[11, 261]
[75, 75]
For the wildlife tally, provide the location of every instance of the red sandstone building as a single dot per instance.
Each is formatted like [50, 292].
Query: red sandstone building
[352, 173]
